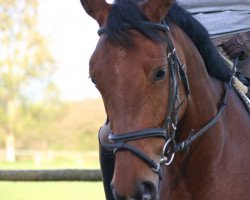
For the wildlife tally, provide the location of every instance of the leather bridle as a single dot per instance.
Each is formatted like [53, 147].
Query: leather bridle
[168, 131]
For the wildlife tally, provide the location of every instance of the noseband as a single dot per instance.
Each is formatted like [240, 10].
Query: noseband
[118, 142]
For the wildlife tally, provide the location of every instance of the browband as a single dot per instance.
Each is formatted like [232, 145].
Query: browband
[149, 25]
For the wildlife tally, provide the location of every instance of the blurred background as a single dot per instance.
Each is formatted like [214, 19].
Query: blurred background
[50, 112]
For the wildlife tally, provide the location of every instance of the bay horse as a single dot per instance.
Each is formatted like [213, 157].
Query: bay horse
[169, 101]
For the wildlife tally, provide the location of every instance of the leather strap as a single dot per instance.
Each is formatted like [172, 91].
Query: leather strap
[120, 146]
[145, 24]
[184, 146]
[152, 132]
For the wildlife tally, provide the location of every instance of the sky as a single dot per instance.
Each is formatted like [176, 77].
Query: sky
[72, 38]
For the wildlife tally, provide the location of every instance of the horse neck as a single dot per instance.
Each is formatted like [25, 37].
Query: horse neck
[203, 172]
[202, 103]
[206, 94]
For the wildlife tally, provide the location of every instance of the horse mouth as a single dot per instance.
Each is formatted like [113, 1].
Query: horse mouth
[144, 192]
[144, 197]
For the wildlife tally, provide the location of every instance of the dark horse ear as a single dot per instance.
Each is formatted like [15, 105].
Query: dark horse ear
[98, 9]
[156, 10]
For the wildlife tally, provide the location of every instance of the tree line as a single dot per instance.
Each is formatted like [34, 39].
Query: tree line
[25, 61]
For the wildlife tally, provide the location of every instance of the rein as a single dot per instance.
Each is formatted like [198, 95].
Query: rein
[184, 146]
[168, 131]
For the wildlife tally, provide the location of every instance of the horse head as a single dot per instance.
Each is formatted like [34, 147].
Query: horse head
[150, 104]
[130, 68]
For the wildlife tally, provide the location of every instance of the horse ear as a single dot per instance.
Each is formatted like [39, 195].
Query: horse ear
[98, 9]
[156, 10]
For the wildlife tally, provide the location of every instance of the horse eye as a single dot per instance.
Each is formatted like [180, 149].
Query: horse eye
[93, 80]
[160, 74]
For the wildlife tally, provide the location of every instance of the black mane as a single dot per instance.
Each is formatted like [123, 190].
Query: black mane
[215, 64]
[128, 12]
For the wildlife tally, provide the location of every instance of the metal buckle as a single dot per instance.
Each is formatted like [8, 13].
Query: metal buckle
[157, 168]
[168, 152]
[171, 53]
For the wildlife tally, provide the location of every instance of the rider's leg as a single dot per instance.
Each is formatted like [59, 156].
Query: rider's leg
[106, 161]
[244, 67]
[241, 81]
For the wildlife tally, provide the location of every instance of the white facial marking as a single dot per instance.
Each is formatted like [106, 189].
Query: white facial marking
[121, 53]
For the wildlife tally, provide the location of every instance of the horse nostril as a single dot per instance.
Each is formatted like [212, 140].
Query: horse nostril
[116, 196]
[146, 191]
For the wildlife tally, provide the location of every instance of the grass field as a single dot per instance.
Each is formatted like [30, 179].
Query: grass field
[50, 190]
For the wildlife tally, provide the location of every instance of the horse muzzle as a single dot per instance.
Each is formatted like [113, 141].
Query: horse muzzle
[145, 190]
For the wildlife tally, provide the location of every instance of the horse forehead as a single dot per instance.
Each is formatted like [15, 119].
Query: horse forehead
[121, 53]
[139, 43]
[119, 59]
[112, 59]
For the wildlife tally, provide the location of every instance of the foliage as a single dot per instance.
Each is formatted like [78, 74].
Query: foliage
[25, 56]
[36, 117]
[25, 60]
[71, 126]
[78, 127]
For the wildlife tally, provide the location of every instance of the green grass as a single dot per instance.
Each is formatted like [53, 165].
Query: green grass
[51, 191]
